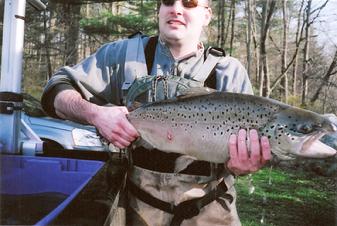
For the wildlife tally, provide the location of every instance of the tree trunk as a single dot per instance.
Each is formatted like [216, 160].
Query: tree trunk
[306, 53]
[227, 27]
[221, 23]
[298, 38]
[255, 42]
[232, 27]
[46, 45]
[267, 12]
[71, 19]
[284, 51]
[249, 35]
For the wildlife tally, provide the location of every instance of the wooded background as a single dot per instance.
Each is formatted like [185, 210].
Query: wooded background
[276, 40]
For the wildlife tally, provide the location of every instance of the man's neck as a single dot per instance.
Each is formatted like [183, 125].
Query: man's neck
[179, 50]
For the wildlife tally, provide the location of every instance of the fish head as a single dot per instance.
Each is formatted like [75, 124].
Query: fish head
[331, 139]
[295, 132]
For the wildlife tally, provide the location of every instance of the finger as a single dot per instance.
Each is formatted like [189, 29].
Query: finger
[266, 150]
[121, 133]
[119, 145]
[124, 110]
[242, 145]
[255, 153]
[232, 146]
[129, 128]
[116, 139]
[126, 125]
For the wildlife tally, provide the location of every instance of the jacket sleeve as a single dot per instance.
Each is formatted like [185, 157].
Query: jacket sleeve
[97, 78]
[231, 76]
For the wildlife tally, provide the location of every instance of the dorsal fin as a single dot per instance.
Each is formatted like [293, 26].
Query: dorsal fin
[195, 91]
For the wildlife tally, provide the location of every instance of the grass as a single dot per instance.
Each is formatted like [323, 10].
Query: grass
[287, 197]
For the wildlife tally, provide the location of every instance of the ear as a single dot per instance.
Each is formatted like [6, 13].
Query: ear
[208, 16]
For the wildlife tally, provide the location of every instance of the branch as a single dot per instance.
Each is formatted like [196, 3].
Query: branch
[319, 9]
[325, 79]
[297, 42]
[274, 44]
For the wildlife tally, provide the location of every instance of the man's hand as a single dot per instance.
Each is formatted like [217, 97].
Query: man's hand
[112, 124]
[243, 161]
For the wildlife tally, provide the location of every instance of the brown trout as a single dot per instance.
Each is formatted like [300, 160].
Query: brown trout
[199, 126]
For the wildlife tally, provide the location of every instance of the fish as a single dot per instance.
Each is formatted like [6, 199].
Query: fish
[331, 139]
[199, 124]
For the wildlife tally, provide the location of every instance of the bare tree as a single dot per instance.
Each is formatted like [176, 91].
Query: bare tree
[255, 42]
[284, 50]
[264, 79]
[298, 38]
[249, 35]
[221, 23]
[232, 9]
[325, 80]
[306, 53]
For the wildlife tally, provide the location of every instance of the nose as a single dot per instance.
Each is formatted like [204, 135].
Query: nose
[177, 8]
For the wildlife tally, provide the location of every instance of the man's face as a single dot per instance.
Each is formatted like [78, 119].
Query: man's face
[178, 23]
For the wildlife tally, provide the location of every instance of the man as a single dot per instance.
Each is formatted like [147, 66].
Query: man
[80, 93]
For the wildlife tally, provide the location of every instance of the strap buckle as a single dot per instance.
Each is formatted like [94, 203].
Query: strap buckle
[218, 52]
[187, 209]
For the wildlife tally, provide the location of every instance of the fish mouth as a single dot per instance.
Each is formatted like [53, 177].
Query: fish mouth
[314, 148]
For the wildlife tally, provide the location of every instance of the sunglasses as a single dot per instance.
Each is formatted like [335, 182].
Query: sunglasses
[186, 3]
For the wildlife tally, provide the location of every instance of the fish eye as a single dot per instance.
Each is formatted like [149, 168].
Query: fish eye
[305, 128]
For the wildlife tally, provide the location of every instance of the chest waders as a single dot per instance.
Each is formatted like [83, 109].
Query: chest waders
[154, 88]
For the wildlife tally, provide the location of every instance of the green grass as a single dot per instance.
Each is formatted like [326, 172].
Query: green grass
[287, 197]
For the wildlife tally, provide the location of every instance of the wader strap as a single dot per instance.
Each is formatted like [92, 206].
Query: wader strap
[150, 51]
[213, 55]
[135, 64]
[186, 209]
